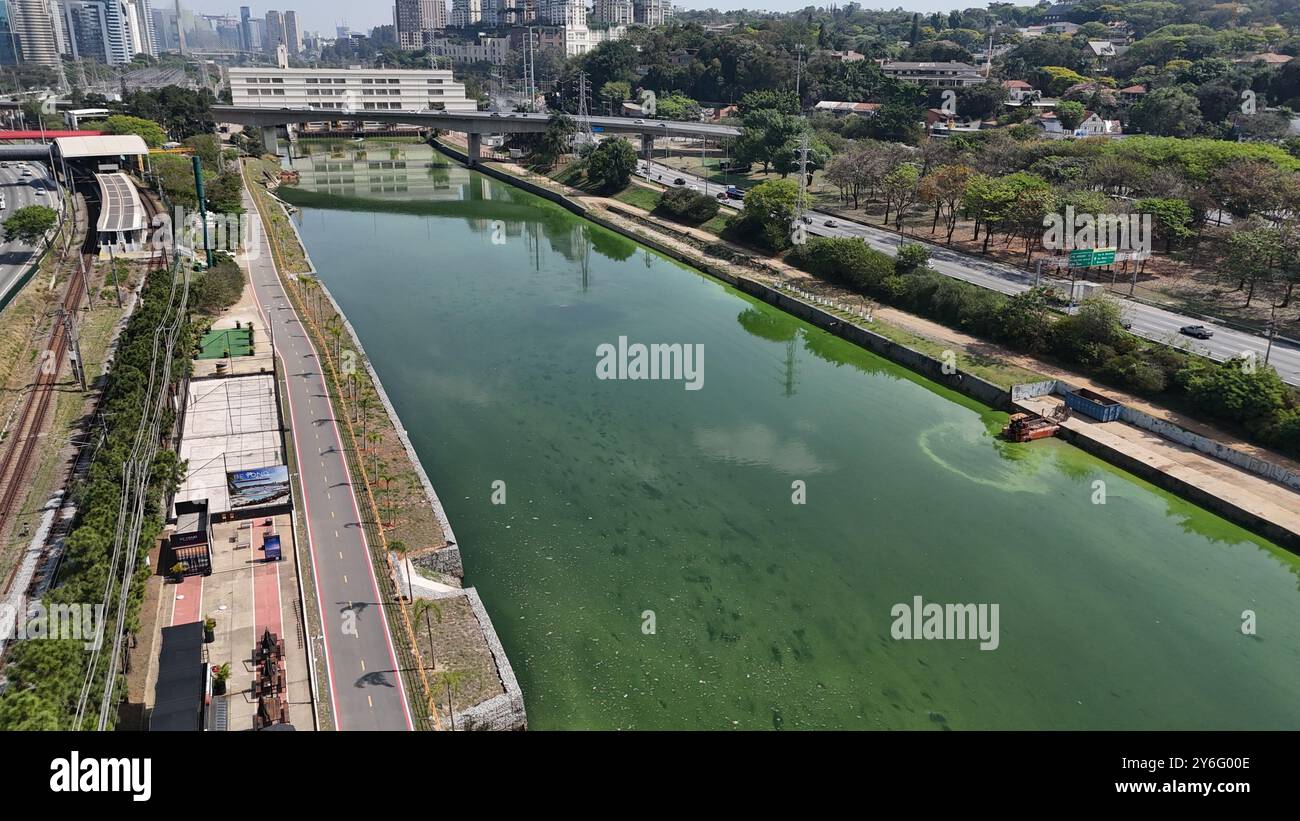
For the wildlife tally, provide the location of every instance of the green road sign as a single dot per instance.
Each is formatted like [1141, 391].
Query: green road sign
[1091, 257]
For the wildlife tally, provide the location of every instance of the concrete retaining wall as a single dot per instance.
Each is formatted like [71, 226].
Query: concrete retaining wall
[1174, 433]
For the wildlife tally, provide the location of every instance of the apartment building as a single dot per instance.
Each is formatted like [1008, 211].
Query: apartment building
[935, 75]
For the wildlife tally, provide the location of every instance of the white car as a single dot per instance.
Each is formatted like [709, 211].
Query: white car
[40, 192]
[3, 204]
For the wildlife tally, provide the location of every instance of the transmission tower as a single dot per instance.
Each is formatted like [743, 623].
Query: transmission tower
[585, 134]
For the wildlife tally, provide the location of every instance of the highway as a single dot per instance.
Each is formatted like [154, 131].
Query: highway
[366, 690]
[20, 192]
[1156, 324]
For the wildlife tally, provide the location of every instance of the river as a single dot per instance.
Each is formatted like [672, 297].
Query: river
[732, 556]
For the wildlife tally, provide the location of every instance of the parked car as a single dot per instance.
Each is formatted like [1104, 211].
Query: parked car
[1198, 331]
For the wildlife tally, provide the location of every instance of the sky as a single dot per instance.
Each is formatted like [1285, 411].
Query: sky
[362, 15]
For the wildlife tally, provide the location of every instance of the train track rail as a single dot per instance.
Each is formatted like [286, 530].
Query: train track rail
[20, 450]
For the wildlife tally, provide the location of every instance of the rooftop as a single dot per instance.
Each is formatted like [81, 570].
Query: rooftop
[120, 206]
[119, 145]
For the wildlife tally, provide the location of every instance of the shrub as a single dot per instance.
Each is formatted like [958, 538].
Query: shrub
[911, 255]
[686, 205]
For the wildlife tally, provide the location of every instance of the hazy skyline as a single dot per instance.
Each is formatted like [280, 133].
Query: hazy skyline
[324, 15]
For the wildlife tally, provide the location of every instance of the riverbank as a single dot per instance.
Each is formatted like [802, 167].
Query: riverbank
[1250, 496]
[451, 644]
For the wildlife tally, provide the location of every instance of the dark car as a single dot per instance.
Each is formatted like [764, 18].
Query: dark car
[1198, 331]
[679, 181]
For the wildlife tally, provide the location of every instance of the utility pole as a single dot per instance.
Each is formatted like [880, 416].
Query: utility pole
[798, 72]
[203, 205]
[1272, 332]
[112, 267]
[74, 347]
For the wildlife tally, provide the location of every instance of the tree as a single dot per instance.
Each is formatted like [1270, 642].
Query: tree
[613, 93]
[677, 106]
[766, 136]
[1251, 252]
[1171, 219]
[944, 188]
[900, 188]
[30, 225]
[148, 130]
[1070, 114]
[768, 214]
[782, 102]
[555, 140]
[611, 164]
[1167, 112]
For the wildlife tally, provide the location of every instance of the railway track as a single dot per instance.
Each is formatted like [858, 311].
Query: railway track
[20, 450]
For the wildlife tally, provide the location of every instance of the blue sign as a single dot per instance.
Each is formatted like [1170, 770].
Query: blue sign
[597, 128]
[271, 547]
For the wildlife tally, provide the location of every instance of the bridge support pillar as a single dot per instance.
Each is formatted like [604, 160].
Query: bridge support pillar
[647, 146]
[475, 147]
[270, 139]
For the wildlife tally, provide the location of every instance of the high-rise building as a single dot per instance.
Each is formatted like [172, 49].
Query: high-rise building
[567, 13]
[652, 12]
[87, 25]
[32, 32]
[414, 19]
[274, 32]
[292, 33]
[246, 28]
[614, 12]
[466, 12]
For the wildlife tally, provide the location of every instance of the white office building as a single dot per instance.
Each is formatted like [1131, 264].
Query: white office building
[349, 90]
[652, 12]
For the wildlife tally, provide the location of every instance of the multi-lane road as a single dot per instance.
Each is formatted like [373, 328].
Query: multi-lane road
[367, 691]
[1147, 321]
[19, 192]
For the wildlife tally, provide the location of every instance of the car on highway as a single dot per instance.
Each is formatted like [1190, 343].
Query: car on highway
[3, 204]
[806, 220]
[734, 193]
[1198, 331]
[4, 165]
[40, 192]
[640, 122]
[831, 224]
[679, 181]
[27, 172]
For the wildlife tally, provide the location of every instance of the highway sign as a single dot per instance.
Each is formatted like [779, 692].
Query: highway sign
[1091, 257]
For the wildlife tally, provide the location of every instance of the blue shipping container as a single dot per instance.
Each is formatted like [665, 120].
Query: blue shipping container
[1091, 403]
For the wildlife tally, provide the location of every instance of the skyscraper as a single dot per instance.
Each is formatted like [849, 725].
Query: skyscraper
[246, 28]
[274, 35]
[32, 26]
[87, 25]
[466, 12]
[292, 33]
[415, 17]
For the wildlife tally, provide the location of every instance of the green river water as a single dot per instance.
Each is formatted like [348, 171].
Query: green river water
[482, 309]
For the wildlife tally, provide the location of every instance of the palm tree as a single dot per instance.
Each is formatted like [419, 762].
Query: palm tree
[453, 681]
[423, 608]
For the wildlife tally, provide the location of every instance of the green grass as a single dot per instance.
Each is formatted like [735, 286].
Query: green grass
[639, 196]
[988, 368]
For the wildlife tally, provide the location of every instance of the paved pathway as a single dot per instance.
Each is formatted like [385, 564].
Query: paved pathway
[365, 690]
